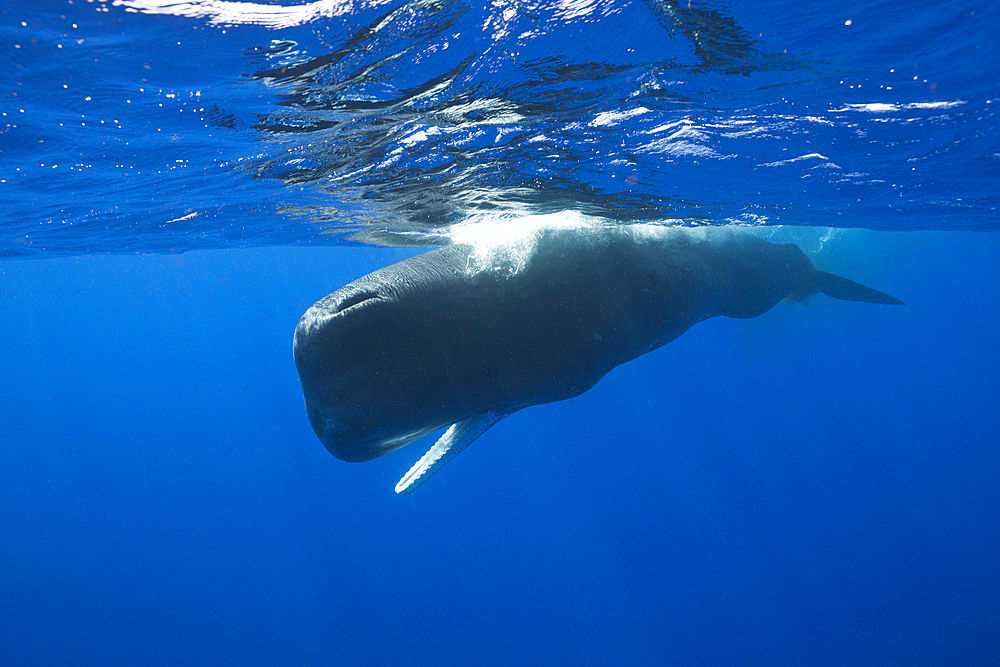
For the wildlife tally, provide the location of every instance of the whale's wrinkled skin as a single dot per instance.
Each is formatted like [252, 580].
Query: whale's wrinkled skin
[461, 336]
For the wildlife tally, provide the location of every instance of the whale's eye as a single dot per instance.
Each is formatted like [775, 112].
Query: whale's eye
[354, 299]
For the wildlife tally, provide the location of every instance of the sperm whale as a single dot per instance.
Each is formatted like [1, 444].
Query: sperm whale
[464, 335]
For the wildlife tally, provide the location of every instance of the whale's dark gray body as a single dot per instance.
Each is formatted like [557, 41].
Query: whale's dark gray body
[457, 337]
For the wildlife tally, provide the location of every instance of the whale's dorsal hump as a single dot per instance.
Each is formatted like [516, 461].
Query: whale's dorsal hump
[458, 436]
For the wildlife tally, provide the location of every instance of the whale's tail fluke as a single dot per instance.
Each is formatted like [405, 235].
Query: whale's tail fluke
[848, 290]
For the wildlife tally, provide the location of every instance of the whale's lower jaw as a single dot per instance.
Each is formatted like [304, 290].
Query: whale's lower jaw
[458, 436]
[353, 450]
[357, 441]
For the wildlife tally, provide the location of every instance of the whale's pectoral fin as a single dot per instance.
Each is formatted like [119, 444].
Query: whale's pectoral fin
[459, 436]
[848, 290]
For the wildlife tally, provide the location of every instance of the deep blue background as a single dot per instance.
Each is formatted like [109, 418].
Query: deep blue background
[820, 485]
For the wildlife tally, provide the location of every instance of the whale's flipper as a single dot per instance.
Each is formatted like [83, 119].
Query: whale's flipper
[459, 436]
[848, 290]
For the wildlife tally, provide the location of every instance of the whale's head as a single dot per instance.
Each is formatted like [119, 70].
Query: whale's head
[374, 359]
[343, 349]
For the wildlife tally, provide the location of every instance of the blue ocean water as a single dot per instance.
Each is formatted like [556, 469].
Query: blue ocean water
[179, 182]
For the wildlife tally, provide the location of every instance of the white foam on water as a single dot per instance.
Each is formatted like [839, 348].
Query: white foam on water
[505, 243]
